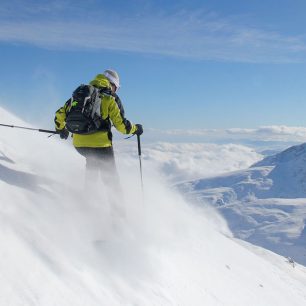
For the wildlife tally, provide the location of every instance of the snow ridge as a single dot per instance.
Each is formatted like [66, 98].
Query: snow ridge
[265, 204]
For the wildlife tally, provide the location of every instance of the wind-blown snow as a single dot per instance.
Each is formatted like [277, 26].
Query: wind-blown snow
[63, 246]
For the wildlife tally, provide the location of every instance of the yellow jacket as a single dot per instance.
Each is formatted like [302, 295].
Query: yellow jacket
[111, 109]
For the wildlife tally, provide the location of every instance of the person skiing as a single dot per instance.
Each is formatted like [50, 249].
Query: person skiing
[97, 147]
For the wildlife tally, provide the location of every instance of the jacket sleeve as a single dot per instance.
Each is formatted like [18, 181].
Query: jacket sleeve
[60, 117]
[116, 115]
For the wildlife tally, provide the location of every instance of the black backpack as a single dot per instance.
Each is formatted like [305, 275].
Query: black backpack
[83, 115]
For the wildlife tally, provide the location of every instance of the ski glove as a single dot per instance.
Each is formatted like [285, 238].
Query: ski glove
[139, 130]
[63, 133]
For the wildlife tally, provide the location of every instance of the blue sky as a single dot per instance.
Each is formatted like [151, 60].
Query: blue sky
[183, 64]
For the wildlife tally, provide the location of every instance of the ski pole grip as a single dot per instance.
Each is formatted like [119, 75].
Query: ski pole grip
[139, 147]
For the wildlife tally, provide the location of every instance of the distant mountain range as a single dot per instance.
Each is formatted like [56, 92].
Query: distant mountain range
[264, 204]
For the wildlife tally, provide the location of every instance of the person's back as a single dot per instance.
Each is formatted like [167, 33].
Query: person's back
[97, 147]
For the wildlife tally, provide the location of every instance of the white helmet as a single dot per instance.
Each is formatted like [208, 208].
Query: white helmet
[113, 77]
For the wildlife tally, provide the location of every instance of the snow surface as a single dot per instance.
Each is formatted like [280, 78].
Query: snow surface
[63, 246]
[265, 204]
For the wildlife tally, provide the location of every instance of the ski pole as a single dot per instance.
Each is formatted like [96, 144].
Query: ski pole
[27, 128]
[140, 164]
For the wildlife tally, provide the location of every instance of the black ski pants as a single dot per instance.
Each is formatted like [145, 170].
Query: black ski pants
[100, 164]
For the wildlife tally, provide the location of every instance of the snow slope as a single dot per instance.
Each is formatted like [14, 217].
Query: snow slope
[63, 246]
[265, 204]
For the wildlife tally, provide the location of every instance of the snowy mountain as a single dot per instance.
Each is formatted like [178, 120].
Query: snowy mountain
[288, 173]
[265, 204]
[61, 245]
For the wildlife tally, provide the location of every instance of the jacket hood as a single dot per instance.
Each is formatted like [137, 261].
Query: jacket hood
[100, 81]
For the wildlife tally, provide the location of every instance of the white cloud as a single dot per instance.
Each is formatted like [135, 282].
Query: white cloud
[280, 133]
[197, 35]
[184, 161]
[273, 133]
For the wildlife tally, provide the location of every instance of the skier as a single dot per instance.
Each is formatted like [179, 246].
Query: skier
[97, 147]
